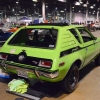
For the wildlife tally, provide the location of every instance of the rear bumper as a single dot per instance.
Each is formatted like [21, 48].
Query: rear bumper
[53, 76]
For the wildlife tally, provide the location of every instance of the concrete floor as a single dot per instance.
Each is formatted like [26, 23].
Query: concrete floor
[88, 87]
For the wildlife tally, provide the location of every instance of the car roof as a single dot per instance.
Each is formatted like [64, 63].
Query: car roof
[56, 25]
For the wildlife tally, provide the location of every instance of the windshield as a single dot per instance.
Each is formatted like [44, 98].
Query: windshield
[39, 38]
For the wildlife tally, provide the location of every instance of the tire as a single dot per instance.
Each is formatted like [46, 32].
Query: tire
[70, 82]
[97, 60]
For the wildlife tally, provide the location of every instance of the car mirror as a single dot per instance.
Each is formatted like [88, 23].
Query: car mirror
[94, 38]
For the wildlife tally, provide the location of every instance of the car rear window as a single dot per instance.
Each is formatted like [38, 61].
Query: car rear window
[39, 38]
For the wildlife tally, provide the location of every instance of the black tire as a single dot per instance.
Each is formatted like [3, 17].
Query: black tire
[97, 60]
[69, 83]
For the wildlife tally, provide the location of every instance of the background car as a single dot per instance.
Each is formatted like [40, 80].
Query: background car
[97, 26]
[4, 35]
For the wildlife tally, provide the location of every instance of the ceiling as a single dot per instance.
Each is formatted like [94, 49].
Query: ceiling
[52, 4]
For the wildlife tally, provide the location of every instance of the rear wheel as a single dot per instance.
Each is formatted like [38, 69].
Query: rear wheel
[70, 81]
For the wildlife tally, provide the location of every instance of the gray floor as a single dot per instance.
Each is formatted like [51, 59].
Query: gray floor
[88, 87]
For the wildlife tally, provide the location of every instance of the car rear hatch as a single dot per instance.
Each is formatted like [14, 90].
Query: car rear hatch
[32, 48]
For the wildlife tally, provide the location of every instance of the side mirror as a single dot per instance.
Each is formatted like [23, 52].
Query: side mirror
[94, 38]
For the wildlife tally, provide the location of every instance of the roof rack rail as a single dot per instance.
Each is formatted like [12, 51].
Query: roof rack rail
[50, 24]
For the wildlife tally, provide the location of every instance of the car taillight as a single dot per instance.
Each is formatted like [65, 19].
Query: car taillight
[44, 63]
[3, 56]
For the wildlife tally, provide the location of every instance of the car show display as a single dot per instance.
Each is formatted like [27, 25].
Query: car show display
[30, 54]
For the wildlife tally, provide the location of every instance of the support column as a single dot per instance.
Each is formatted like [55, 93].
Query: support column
[16, 14]
[43, 10]
[27, 13]
[98, 16]
[86, 16]
[70, 21]
[5, 13]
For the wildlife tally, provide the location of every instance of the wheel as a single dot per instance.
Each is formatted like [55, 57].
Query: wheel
[69, 83]
[97, 60]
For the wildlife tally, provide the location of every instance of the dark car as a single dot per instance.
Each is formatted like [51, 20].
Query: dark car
[4, 35]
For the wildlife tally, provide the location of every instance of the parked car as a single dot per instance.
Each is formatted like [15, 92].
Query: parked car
[56, 56]
[4, 35]
[97, 26]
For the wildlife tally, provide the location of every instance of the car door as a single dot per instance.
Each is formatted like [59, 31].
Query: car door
[88, 44]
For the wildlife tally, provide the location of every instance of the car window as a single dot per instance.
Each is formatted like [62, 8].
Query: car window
[73, 31]
[39, 38]
[85, 35]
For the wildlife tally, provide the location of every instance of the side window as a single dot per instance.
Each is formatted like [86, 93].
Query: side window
[73, 31]
[85, 35]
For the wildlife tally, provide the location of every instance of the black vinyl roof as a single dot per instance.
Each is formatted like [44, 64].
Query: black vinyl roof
[50, 24]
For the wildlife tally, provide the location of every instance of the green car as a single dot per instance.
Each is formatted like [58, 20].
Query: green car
[50, 52]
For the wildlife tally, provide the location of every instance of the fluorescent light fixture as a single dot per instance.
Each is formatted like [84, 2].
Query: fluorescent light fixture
[49, 16]
[85, 5]
[34, 0]
[62, 0]
[73, 7]
[61, 11]
[77, 3]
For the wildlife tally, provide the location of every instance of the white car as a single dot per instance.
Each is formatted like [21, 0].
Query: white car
[97, 25]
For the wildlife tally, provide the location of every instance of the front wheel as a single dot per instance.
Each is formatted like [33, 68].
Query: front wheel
[69, 83]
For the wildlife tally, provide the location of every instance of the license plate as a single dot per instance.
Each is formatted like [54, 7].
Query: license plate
[22, 73]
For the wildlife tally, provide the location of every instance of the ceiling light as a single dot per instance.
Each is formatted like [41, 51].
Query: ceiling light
[34, 4]
[62, 0]
[56, 8]
[79, 11]
[34, 0]
[49, 14]
[77, 3]
[85, 5]
[61, 11]
[73, 7]
[91, 7]
[87, 2]
[17, 2]
[46, 6]
[94, 4]
[13, 10]
[81, 2]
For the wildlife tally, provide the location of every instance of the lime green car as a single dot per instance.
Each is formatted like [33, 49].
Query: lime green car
[50, 52]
